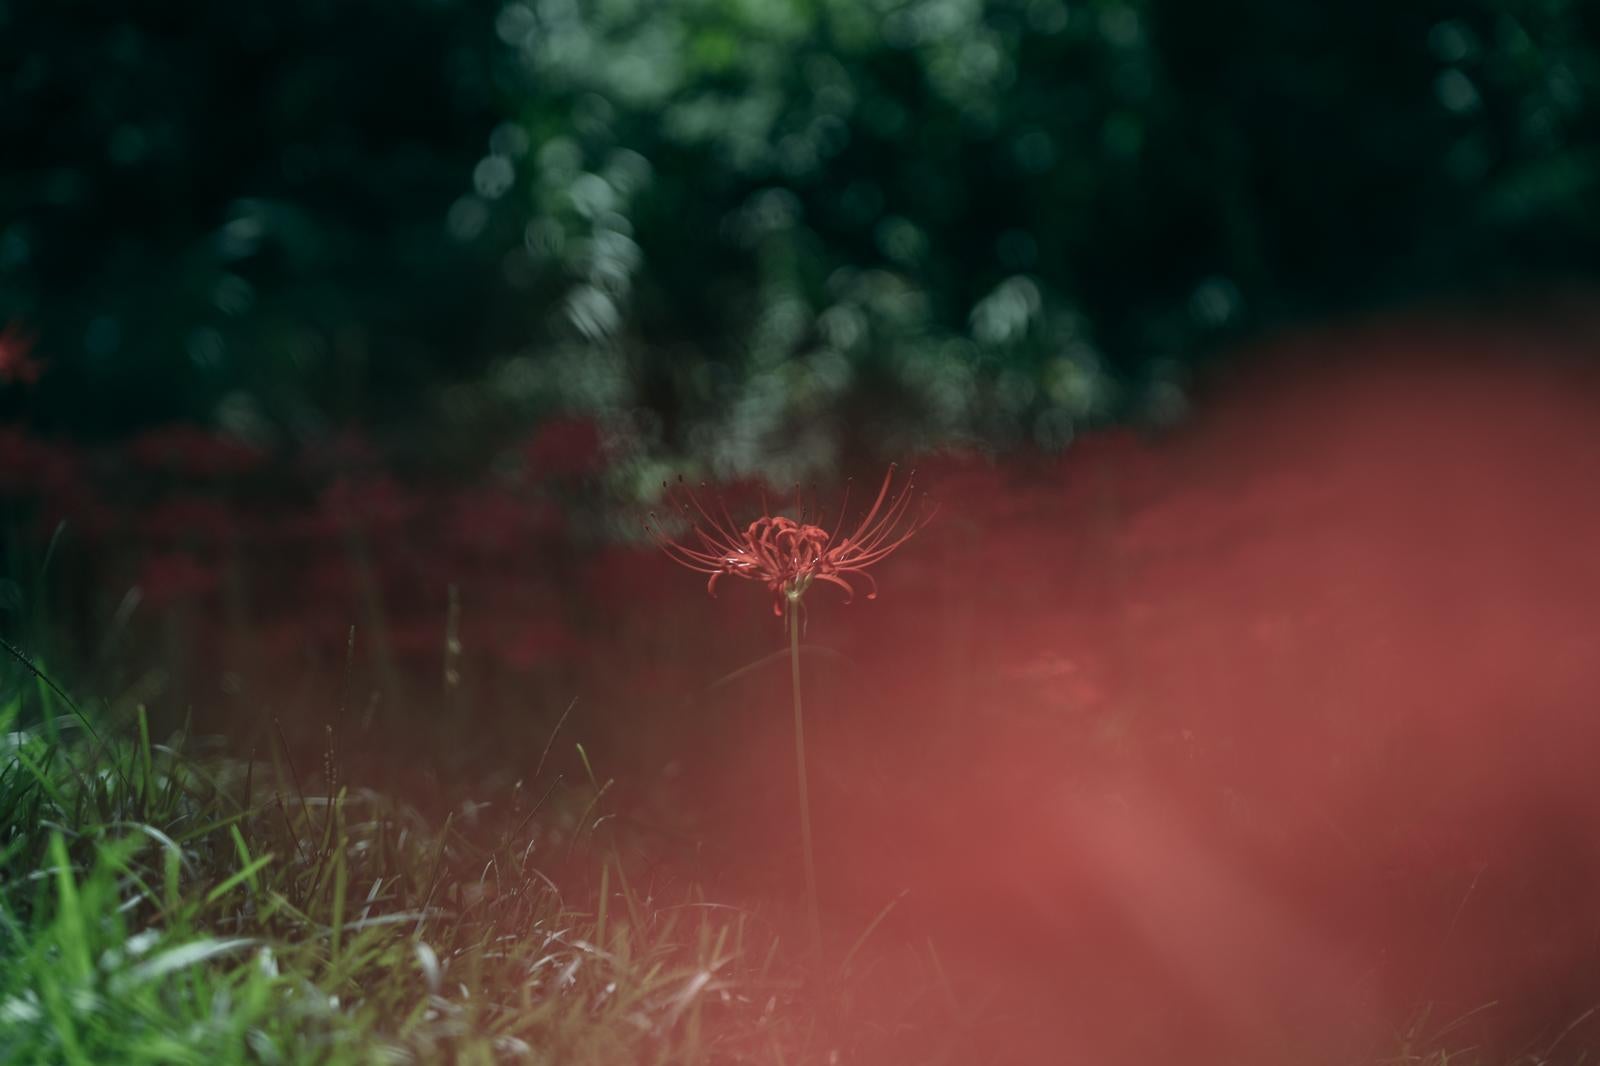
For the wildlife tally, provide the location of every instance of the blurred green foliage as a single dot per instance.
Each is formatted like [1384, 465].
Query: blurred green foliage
[239, 208]
[758, 228]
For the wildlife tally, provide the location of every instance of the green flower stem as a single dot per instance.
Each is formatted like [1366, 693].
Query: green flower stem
[800, 772]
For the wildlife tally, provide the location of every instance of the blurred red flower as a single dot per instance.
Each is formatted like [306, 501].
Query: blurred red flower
[171, 577]
[188, 519]
[339, 452]
[328, 578]
[301, 524]
[416, 638]
[315, 634]
[537, 643]
[492, 521]
[16, 366]
[193, 451]
[374, 503]
[32, 467]
[565, 447]
[617, 575]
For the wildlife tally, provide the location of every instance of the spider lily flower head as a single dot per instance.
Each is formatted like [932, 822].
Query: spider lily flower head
[788, 555]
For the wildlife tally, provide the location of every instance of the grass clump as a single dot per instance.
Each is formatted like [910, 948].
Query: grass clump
[165, 904]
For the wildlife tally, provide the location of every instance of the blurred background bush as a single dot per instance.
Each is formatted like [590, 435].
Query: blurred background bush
[767, 233]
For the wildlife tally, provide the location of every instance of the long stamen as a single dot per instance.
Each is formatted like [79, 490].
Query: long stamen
[844, 505]
[883, 491]
[875, 540]
[729, 533]
[856, 556]
[732, 525]
[887, 524]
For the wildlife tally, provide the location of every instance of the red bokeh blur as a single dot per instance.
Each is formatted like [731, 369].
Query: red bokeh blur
[1240, 743]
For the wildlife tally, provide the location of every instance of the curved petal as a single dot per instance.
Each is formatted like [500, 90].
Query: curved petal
[834, 579]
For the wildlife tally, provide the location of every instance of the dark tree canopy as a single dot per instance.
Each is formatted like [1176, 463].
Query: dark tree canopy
[755, 229]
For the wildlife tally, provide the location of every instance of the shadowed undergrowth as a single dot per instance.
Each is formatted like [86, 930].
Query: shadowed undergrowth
[164, 904]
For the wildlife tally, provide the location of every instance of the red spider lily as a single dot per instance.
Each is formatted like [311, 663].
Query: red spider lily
[15, 365]
[786, 554]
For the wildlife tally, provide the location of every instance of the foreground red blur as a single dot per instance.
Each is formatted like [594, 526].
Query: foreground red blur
[1243, 744]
